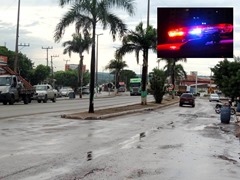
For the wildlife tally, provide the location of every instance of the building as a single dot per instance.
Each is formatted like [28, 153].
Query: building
[74, 67]
[202, 83]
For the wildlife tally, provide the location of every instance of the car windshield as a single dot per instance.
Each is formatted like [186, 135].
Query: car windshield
[5, 81]
[186, 95]
[66, 89]
[41, 88]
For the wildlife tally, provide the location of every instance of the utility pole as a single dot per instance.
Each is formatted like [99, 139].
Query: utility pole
[97, 62]
[53, 84]
[148, 9]
[17, 36]
[24, 45]
[47, 48]
[66, 63]
[52, 62]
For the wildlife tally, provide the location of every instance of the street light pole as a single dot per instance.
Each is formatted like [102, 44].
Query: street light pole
[17, 36]
[97, 61]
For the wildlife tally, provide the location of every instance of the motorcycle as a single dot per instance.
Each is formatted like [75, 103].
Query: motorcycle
[219, 105]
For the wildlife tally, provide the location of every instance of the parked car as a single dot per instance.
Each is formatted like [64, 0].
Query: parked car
[58, 94]
[64, 91]
[214, 97]
[44, 92]
[188, 99]
[85, 90]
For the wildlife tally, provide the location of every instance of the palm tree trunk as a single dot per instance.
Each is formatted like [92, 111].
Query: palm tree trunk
[144, 78]
[80, 75]
[173, 77]
[92, 74]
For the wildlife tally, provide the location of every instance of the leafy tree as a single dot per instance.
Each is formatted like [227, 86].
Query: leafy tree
[157, 84]
[40, 74]
[86, 78]
[78, 45]
[86, 14]
[226, 75]
[66, 78]
[116, 66]
[25, 65]
[3, 51]
[126, 75]
[69, 78]
[140, 40]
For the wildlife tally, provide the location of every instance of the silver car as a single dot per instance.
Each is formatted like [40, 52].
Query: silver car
[64, 91]
[214, 97]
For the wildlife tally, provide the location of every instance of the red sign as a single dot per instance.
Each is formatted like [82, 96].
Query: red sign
[3, 59]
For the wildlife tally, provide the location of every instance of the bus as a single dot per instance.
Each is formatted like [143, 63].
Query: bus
[135, 86]
[121, 87]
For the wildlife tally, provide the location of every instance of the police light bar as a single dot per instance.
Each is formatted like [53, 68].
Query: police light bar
[222, 28]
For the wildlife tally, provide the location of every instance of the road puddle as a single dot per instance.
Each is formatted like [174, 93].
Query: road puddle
[223, 157]
[129, 143]
[101, 152]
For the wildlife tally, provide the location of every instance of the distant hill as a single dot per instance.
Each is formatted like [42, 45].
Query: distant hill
[105, 77]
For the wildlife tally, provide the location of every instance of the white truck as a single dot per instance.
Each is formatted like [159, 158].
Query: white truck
[44, 92]
[14, 88]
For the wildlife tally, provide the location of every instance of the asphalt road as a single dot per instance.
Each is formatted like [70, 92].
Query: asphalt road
[177, 143]
[67, 105]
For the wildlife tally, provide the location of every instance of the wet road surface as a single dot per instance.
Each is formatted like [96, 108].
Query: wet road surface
[169, 143]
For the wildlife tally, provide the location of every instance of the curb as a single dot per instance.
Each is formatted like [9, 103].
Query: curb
[94, 117]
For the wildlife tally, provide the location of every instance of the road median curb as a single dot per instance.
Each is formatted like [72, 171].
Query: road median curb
[95, 116]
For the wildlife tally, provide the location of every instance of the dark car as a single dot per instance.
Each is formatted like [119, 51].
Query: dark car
[188, 99]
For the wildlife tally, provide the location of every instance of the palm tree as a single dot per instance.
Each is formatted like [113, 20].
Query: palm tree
[78, 45]
[140, 40]
[179, 73]
[116, 66]
[171, 68]
[86, 14]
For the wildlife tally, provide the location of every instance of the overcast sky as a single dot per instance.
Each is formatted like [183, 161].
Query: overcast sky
[38, 20]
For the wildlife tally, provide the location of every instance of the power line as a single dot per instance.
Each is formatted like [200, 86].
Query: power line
[24, 45]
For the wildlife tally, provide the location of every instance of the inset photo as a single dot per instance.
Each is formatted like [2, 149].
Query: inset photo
[203, 32]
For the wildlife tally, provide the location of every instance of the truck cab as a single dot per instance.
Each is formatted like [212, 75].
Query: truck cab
[13, 87]
[10, 90]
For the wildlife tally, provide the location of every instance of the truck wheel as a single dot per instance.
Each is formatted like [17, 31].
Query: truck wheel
[45, 99]
[4, 102]
[54, 99]
[39, 101]
[12, 100]
[26, 100]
